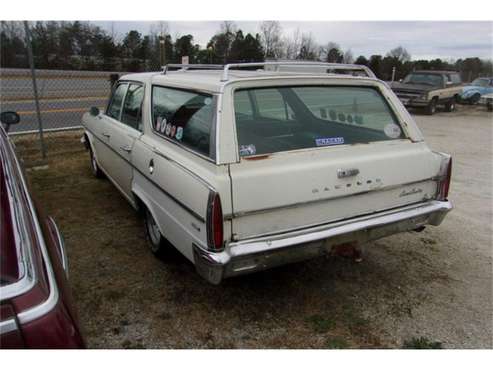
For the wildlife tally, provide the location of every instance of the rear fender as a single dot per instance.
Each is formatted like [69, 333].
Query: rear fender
[143, 202]
[467, 94]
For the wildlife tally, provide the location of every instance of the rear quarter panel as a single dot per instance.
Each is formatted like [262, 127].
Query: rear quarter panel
[177, 191]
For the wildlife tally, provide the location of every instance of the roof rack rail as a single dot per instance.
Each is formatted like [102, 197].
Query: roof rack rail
[227, 67]
[184, 67]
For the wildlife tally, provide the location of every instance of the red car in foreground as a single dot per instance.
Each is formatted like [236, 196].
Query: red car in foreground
[36, 306]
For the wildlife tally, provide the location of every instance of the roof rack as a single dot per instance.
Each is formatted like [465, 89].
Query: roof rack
[277, 65]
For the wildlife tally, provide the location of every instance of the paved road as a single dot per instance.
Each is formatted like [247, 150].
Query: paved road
[55, 113]
[64, 96]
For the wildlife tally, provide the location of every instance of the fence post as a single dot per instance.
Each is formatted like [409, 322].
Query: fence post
[35, 88]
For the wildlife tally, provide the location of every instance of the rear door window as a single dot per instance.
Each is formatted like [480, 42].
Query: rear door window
[299, 117]
[115, 106]
[132, 108]
[185, 117]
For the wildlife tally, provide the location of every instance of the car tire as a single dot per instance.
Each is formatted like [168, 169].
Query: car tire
[96, 171]
[431, 108]
[156, 241]
[475, 98]
[450, 106]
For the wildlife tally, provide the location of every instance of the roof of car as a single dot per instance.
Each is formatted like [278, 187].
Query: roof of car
[211, 80]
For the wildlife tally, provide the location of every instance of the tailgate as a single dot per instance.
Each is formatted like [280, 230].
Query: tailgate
[291, 190]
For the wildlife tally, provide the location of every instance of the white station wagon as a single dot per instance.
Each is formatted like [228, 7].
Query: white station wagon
[242, 170]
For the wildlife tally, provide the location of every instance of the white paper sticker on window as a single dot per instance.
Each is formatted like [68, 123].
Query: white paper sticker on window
[392, 130]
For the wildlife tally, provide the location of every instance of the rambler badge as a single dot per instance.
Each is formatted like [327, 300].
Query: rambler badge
[405, 193]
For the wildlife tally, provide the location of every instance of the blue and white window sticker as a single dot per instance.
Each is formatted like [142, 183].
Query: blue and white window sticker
[326, 141]
[247, 150]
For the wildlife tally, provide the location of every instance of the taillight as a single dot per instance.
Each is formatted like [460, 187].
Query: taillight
[444, 183]
[215, 222]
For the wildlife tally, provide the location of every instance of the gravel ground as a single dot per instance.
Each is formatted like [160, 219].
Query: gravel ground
[436, 284]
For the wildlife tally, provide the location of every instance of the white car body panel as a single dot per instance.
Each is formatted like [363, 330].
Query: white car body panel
[269, 195]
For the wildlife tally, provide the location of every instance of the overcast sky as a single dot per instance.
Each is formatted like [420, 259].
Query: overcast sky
[438, 39]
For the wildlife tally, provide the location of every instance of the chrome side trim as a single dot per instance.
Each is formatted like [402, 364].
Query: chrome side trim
[46, 306]
[7, 326]
[61, 245]
[23, 244]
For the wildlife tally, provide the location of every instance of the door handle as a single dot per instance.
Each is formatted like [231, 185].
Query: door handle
[151, 166]
[106, 135]
[126, 148]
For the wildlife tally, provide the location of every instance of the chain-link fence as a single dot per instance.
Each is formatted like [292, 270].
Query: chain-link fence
[63, 97]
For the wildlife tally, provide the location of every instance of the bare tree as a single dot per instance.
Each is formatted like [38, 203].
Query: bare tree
[348, 57]
[309, 49]
[292, 45]
[271, 34]
[229, 27]
[400, 54]
[332, 53]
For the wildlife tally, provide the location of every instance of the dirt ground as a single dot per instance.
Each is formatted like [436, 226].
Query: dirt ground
[435, 285]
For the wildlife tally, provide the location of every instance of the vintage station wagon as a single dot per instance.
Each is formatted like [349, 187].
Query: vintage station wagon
[248, 166]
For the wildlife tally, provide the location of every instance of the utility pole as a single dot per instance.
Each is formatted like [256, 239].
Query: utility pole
[35, 87]
[161, 53]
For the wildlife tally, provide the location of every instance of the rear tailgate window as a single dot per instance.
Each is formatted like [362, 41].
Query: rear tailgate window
[276, 119]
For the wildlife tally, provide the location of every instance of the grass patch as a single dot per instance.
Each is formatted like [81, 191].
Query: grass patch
[421, 343]
[337, 343]
[320, 324]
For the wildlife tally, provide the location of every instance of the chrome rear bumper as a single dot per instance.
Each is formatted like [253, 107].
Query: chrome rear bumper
[247, 256]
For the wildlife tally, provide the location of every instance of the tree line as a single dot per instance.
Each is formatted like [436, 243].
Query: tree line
[84, 46]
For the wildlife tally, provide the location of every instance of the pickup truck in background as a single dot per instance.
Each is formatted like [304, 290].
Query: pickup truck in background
[429, 89]
[243, 170]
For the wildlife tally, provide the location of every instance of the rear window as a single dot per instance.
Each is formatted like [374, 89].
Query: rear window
[185, 117]
[277, 119]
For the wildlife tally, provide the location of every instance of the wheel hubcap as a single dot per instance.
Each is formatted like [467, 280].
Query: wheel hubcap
[154, 233]
[94, 165]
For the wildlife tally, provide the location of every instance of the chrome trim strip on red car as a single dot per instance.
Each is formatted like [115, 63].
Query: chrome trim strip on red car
[25, 258]
[46, 306]
[7, 326]
[61, 245]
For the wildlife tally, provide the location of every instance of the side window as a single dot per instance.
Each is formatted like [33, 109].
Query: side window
[186, 117]
[132, 107]
[271, 104]
[115, 106]
[456, 78]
